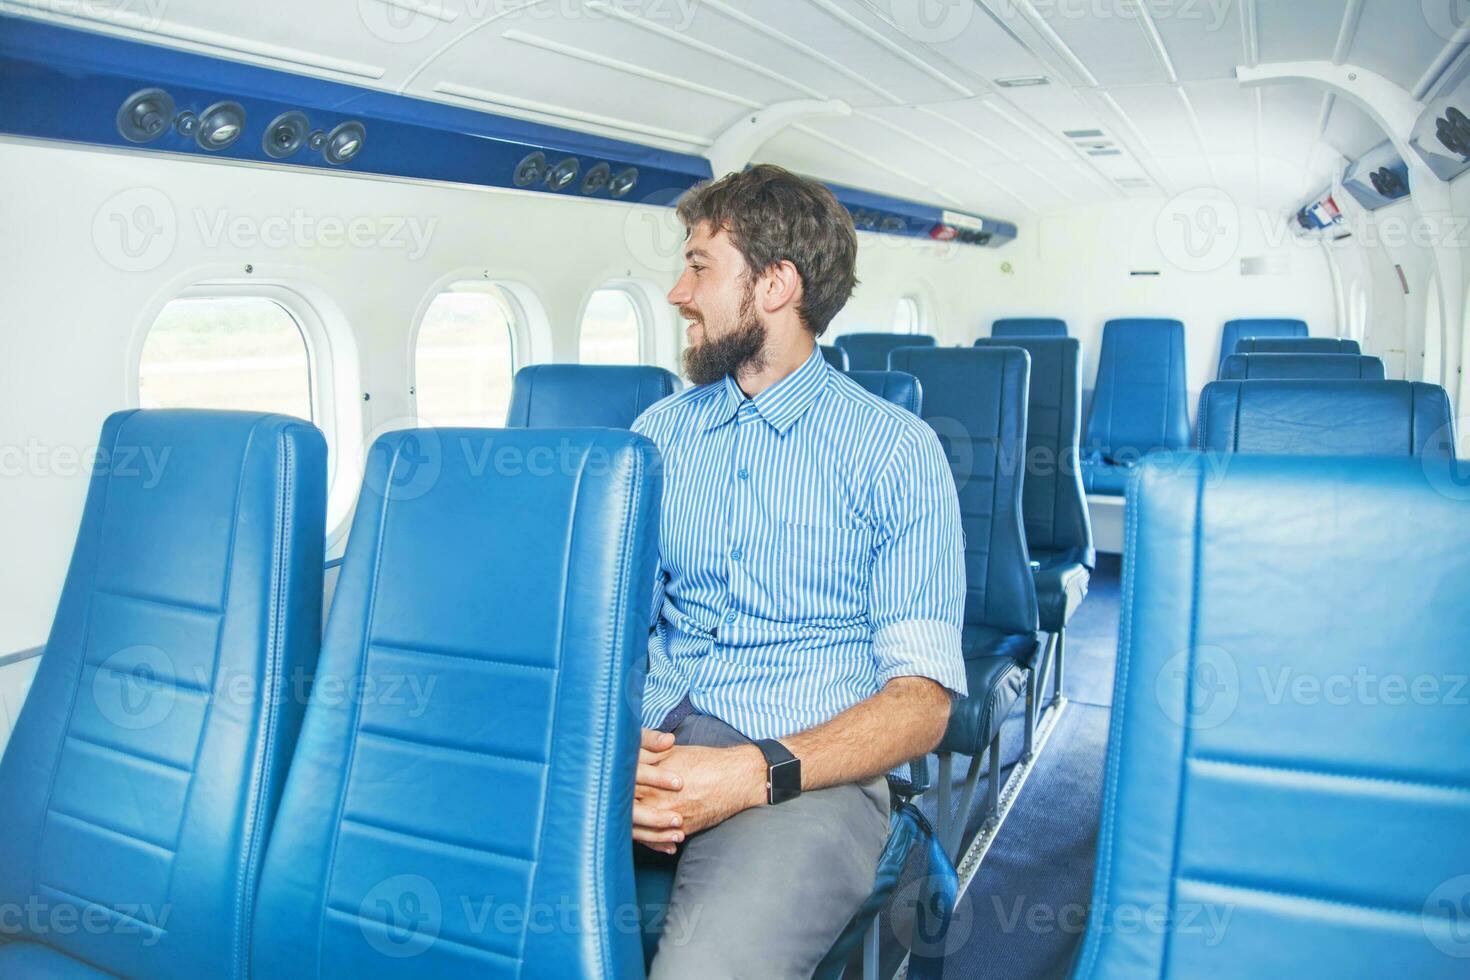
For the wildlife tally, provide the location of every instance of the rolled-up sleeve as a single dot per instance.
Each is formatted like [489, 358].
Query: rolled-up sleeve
[917, 600]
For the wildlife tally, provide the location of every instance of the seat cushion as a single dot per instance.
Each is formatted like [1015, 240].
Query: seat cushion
[1061, 585]
[32, 961]
[901, 389]
[996, 679]
[1327, 418]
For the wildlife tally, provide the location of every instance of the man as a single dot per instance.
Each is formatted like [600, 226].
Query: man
[811, 580]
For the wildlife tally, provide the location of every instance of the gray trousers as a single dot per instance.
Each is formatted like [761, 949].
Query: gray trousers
[766, 893]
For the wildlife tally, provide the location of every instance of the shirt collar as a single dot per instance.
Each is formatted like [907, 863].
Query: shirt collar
[785, 401]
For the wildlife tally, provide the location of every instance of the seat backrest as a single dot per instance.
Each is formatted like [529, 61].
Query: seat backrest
[585, 395]
[1029, 327]
[901, 389]
[1279, 783]
[140, 784]
[835, 356]
[1053, 500]
[1296, 345]
[1238, 330]
[496, 620]
[1301, 367]
[1140, 402]
[1326, 418]
[975, 401]
[869, 351]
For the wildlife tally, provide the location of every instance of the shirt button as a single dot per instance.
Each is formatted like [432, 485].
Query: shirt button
[729, 617]
[744, 473]
[736, 554]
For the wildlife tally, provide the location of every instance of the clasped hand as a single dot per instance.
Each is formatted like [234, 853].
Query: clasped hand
[683, 789]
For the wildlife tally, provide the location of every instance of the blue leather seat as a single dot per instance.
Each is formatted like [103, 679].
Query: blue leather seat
[1053, 503]
[901, 389]
[1274, 785]
[975, 399]
[1296, 345]
[142, 779]
[1029, 327]
[481, 784]
[869, 351]
[1301, 367]
[1327, 418]
[1237, 330]
[835, 356]
[585, 395]
[1139, 405]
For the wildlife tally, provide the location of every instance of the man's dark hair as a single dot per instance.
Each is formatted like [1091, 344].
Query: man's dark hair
[772, 215]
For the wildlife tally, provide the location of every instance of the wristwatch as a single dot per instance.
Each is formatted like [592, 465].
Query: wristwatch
[783, 771]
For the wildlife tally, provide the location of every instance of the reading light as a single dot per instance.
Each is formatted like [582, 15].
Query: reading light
[285, 135]
[563, 174]
[145, 115]
[622, 185]
[220, 125]
[530, 170]
[597, 178]
[344, 143]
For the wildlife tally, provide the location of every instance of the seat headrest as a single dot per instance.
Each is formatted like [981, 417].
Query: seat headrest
[506, 605]
[1140, 402]
[835, 356]
[1301, 367]
[1296, 345]
[1029, 327]
[1292, 643]
[901, 389]
[586, 395]
[1326, 418]
[869, 351]
[975, 401]
[1237, 330]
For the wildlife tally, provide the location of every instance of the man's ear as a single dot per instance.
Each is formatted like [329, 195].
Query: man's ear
[780, 288]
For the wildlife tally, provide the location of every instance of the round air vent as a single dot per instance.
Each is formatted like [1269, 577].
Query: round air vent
[145, 115]
[563, 174]
[286, 134]
[892, 224]
[1454, 132]
[597, 178]
[531, 170]
[317, 140]
[186, 123]
[220, 125]
[344, 143]
[1387, 183]
[622, 185]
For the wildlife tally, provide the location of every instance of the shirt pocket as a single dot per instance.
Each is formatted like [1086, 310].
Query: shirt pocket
[822, 572]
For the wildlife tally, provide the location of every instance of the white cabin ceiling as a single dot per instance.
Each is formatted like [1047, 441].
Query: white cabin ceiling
[928, 121]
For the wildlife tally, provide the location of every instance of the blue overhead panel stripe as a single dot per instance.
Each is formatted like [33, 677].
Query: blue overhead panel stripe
[896, 216]
[67, 84]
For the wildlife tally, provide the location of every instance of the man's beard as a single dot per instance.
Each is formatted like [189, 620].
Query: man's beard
[743, 347]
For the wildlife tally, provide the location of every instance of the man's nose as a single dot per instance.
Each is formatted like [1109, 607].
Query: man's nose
[679, 295]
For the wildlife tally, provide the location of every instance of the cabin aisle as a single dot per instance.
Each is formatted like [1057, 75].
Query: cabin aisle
[1026, 908]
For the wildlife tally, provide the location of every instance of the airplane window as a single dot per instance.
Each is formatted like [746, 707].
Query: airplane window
[464, 360]
[907, 317]
[236, 352]
[612, 328]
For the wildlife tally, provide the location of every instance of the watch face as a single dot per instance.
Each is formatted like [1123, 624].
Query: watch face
[785, 781]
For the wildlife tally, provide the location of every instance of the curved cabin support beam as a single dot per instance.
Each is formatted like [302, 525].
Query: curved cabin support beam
[735, 147]
[1397, 112]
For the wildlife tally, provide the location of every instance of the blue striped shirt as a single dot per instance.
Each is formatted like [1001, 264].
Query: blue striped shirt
[810, 551]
